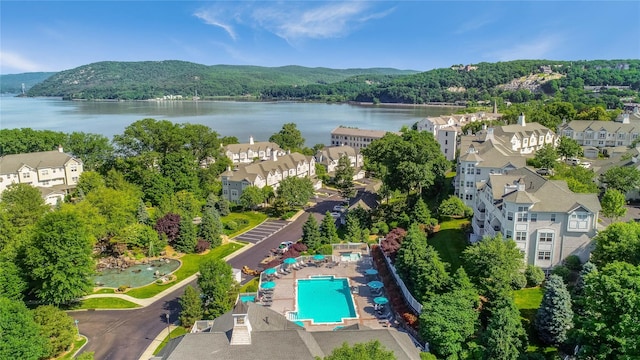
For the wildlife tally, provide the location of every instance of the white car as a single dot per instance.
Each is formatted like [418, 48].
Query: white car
[335, 214]
[338, 208]
[585, 165]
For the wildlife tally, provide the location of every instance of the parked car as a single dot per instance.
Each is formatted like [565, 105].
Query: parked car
[338, 208]
[573, 161]
[585, 165]
[543, 171]
[284, 246]
[335, 214]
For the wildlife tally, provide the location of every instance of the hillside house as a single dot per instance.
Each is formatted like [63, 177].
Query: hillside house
[330, 156]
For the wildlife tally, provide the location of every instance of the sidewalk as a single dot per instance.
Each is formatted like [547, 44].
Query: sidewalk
[148, 354]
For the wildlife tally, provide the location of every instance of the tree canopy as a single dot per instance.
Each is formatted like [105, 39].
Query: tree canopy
[218, 286]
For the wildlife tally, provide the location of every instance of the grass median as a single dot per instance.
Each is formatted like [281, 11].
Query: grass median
[106, 303]
[190, 265]
[179, 331]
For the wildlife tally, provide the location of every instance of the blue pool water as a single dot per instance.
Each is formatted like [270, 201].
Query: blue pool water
[247, 298]
[325, 300]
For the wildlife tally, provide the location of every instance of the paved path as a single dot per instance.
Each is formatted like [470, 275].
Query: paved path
[262, 231]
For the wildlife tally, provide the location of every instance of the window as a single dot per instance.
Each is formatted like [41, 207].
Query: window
[74, 179]
[446, 142]
[234, 193]
[44, 172]
[445, 151]
[225, 191]
[602, 136]
[26, 175]
[509, 234]
[553, 217]
[521, 236]
[74, 168]
[522, 216]
[509, 215]
[533, 217]
[545, 237]
[468, 196]
[461, 170]
[544, 255]
[469, 183]
[477, 171]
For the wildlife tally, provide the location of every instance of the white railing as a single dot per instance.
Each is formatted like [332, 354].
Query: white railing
[415, 304]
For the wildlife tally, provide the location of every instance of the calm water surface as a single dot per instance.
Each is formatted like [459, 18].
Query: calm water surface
[240, 119]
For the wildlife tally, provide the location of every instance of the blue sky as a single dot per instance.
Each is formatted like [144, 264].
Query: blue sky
[418, 35]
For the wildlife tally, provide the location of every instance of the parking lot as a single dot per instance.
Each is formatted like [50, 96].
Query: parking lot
[262, 231]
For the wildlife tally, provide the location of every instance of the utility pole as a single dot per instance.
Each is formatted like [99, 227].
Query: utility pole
[168, 328]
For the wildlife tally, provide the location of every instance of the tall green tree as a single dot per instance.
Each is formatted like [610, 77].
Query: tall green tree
[343, 178]
[554, 318]
[492, 263]
[251, 197]
[546, 157]
[218, 287]
[56, 327]
[609, 327]
[419, 265]
[211, 227]
[504, 337]
[13, 282]
[23, 205]
[289, 137]
[94, 149]
[454, 206]
[569, 148]
[89, 181]
[59, 260]
[295, 191]
[613, 204]
[354, 231]
[19, 334]
[618, 242]
[187, 239]
[371, 350]
[143, 213]
[119, 208]
[328, 231]
[190, 307]
[622, 178]
[421, 213]
[311, 233]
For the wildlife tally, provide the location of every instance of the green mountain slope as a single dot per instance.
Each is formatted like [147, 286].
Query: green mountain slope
[12, 84]
[152, 79]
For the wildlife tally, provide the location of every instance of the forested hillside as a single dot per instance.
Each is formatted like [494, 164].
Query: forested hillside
[12, 84]
[153, 79]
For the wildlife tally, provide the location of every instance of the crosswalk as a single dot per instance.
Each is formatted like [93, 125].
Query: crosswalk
[262, 231]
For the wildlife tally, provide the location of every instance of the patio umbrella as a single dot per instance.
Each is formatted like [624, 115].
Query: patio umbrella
[289, 261]
[371, 272]
[375, 284]
[318, 257]
[381, 300]
[270, 271]
[268, 285]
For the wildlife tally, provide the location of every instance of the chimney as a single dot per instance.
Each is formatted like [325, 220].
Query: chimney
[521, 120]
[241, 332]
[274, 155]
[489, 136]
[250, 140]
[484, 126]
[60, 149]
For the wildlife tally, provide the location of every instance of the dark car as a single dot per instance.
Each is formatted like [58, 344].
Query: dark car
[543, 171]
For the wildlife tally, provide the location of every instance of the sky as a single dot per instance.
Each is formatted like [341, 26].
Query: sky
[414, 35]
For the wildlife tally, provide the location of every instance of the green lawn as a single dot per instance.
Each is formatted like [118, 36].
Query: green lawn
[250, 286]
[450, 241]
[528, 301]
[77, 344]
[179, 331]
[190, 266]
[106, 303]
[251, 219]
[104, 291]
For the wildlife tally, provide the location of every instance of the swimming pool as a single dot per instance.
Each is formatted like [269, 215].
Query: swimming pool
[325, 299]
[350, 257]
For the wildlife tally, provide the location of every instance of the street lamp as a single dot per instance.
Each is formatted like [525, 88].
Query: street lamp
[168, 329]
[77, 328]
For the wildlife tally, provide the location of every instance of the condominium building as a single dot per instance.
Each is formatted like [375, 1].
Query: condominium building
[601, 134]
[251, 151]
[547, 221]
[54, 173]
[265, 173]
[354, 137]
[330, 156]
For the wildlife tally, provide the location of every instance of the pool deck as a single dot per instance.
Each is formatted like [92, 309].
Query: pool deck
[284, 293]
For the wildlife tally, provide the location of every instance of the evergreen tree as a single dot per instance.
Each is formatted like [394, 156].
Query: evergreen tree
[211, 227]
[354, 230]
[55, 326]
[143, 214]
[504, 337]
[421, 213]
[343, 178]
[555, 316]
[223, 207]
[187, 239]
[328, 231]
[191, 307]
[210, 203]
[311, 233]
[219, 290]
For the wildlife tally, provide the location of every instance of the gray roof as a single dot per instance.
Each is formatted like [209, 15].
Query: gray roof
[334, 153]
[256, 146]
[545, 195]
[597, 125]
[274, 337]
[359, 132]
[10, 164]
[249, 172]
[490, 151]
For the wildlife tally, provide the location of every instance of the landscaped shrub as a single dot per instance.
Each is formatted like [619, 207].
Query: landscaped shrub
[534, 275]
[392, 242]
[202, 246]
[573, 262]
[382, 227]
[299, 247]
[518, 281]
[561, 271]
[231, 225]
[411, 319]
[325, 249]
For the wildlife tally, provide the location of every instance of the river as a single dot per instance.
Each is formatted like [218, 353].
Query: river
[227, 118]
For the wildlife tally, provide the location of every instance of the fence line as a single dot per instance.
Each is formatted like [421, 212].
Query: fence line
[415, 304]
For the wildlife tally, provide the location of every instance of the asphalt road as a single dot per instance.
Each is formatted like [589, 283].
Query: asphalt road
[126, 334]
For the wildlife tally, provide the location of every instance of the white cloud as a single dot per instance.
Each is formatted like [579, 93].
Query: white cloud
[535, 49]
[18, 62]
[214, 17]
[474, 24]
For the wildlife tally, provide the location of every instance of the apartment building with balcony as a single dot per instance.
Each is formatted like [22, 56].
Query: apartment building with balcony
[354, 137]
[600, 134]
[547, 221]
[329, 158]
[253, 150]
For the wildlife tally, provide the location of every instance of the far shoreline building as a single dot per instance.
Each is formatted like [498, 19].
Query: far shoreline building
[354, 137]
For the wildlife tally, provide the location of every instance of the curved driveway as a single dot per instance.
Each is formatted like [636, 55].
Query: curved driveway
[126, 334]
